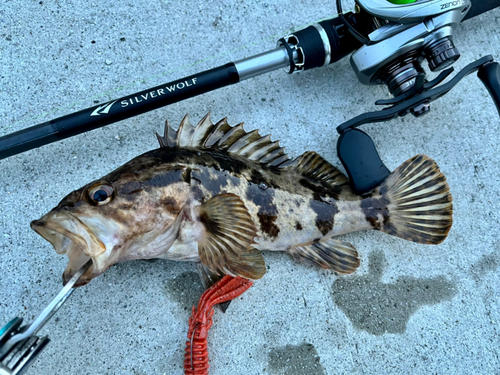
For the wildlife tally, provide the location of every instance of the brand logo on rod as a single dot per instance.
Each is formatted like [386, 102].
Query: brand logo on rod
[103, 109]
[158, 92]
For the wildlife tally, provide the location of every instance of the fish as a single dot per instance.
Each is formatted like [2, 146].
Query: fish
[219, 196]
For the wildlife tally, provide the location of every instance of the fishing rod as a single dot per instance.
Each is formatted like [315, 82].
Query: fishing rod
[388, 40]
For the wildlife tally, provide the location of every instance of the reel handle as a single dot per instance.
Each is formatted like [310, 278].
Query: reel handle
[489, 74]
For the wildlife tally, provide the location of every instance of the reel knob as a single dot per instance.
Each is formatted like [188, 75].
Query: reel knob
[442, 54]
[361, 161]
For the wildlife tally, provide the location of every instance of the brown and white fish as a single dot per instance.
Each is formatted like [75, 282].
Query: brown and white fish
[217, 195]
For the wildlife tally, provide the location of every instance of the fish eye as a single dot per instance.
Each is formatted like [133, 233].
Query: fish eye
[100, 194]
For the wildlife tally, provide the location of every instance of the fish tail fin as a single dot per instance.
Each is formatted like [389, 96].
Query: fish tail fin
[417, 202]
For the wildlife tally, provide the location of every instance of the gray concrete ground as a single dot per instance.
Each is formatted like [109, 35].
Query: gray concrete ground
[409, 309]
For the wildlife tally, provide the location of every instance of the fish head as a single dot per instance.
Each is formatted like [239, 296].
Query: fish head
[125, 215]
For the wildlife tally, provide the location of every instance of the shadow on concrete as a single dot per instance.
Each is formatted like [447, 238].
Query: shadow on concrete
[295, 359]
[379, 308]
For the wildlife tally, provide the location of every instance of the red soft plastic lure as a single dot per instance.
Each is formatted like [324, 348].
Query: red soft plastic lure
[226, 289]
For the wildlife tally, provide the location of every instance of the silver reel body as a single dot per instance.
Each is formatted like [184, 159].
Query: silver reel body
[404, 35]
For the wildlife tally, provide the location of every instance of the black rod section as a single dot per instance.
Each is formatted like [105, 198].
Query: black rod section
[117, 110]
[336, 36]
[481, 6]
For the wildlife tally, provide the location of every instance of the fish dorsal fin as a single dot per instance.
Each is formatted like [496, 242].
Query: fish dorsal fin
[221, 136]
[313, 166]
[183, 137]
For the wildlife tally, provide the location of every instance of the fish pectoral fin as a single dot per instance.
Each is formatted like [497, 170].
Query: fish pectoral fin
[314, 167]
[229, 233]
[333, 254]
[209, 278]
[250, 264]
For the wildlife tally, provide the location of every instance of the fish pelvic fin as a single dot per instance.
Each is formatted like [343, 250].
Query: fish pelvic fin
[229, 233]
[339, 256]
[413, 203]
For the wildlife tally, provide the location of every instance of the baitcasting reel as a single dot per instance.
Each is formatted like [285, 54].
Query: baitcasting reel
[404, 34]
[390, 39]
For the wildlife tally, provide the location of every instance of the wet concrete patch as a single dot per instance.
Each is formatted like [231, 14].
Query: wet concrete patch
[380, 308]
[295, 359]
[185, 289]
[487, 263]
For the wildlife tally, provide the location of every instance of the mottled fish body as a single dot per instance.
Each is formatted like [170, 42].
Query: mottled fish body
[217, 195]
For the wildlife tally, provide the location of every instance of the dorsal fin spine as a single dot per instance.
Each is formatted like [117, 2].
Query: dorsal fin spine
[221, 136]
[265, 150]
[221, 128]
[160, 140]
[274, 154]
[277, 162]
[185, 132]
[202, 130]
[171, 135]
[253, 150]
[231, 136]
[244, 141]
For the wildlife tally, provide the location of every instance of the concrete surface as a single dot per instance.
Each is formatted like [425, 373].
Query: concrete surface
[409, 309]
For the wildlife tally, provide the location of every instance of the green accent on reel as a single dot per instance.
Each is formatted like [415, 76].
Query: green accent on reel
[402, 1]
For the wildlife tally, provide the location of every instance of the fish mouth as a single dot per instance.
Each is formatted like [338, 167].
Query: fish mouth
[70, 236]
